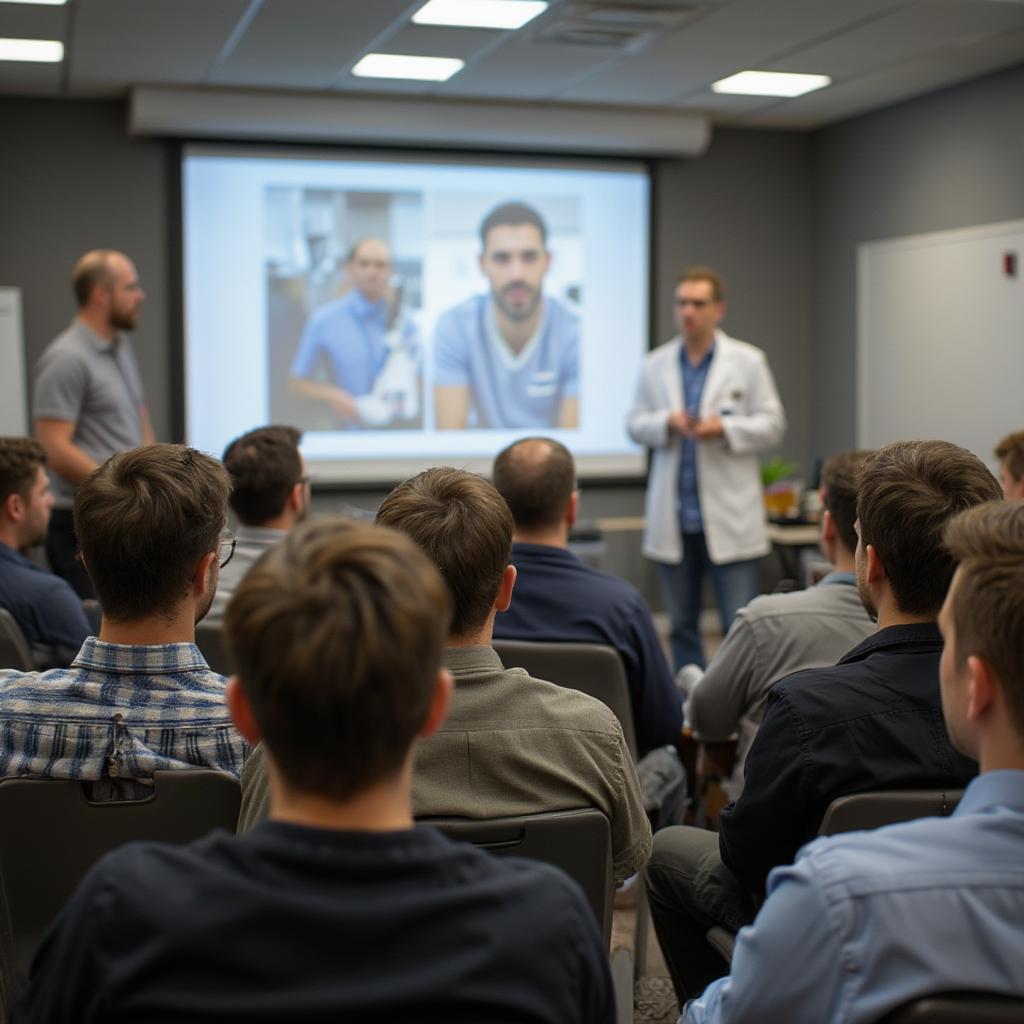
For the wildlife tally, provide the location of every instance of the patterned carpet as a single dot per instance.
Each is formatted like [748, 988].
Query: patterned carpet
[655, 1002]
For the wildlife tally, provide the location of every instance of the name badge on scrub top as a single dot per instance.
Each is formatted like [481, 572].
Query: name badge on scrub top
[542, 384]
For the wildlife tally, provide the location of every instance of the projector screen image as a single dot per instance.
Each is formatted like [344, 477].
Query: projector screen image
[410, 312]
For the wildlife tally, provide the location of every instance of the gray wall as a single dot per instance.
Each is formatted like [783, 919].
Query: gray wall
[949, 160]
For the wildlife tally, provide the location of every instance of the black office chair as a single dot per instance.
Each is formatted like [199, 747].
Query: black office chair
[52, 834]
[14, 648]
[594, 669]
[210, 641]
[959, 1008]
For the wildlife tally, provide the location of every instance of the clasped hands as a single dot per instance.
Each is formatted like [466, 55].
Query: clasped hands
[704, 428]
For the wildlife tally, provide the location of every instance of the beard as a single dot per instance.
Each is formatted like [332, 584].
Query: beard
[865, 595]
[124, 319]
[518, 311]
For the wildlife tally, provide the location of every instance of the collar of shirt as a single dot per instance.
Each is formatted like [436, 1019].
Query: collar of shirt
[543, 551]
[922, 635]
[703, 365]
[366, 309]
[9, 554]
[477, 658]
[148, 659]
[93, 339]
[849, 578]
[992, 790]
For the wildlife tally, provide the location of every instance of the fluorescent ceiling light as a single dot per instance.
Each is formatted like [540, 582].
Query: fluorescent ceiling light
[41, 3]
[770, 83]
[36, 51]
[397, 65]
[509, 14]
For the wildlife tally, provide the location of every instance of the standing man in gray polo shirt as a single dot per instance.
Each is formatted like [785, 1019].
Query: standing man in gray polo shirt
[87, 400]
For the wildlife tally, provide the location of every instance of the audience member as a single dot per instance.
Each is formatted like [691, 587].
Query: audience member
[337, 907]
[559, 597]
[1010, 453]
[87, 396]
[511, 744]
[269, 495]
[865, 922]
[48, 611]
[779, 634]
[140, 698]
[873, 721]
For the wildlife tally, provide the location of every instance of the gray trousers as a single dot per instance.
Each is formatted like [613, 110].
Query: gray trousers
[690, 891]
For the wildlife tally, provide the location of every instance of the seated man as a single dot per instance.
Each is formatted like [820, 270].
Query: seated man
[337, 908]
[140, 698]
[779, 634]
[269, 495]
[511, 744]
[873, 721]
[49, 612]
[867, 921]
[1010, 453]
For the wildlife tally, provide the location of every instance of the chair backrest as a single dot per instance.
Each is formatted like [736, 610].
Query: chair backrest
[210, 641]
[960, 1008]
[51, 835]
[873, 810]
[14, 649]
[577, 841]
[595, 669]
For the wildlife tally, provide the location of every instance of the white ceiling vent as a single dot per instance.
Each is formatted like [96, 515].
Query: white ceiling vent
[617, 26]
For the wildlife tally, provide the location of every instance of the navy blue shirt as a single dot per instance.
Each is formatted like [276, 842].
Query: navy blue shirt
[559, 598]
[48, 611]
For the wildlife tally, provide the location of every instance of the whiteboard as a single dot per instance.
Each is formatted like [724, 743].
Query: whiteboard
[940, 338]
[13, 411]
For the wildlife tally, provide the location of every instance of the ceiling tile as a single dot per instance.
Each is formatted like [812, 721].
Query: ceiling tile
[424, 41]
[643, 79]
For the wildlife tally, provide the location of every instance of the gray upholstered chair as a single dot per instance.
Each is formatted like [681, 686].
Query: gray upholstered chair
[14, 648]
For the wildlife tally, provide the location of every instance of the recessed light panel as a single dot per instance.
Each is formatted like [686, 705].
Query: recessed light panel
[770, 83]
[397, 65]
[506, 14]
[40, 3]
[34, 51]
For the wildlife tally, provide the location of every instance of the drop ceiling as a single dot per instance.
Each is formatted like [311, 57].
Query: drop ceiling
[661, 54]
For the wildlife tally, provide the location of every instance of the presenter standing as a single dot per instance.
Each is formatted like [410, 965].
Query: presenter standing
[88, 401]
[706, 405]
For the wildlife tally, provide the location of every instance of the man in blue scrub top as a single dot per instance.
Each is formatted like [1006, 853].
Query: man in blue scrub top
[511, 358]
[350, 335]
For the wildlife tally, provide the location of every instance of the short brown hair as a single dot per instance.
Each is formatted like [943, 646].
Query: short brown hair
[1011, 452]
[265, 465]
[536, 477]
[840, 482]
[909, 491]
[337, 633]
[465, 527]
[713, 277]
[988, 602]
[91, 269]
[20, 459]
[144, 519]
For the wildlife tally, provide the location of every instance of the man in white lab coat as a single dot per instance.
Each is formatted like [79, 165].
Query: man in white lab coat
[706, 405]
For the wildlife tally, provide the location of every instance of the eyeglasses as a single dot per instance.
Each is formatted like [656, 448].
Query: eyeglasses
[696, 303]
[226, 548]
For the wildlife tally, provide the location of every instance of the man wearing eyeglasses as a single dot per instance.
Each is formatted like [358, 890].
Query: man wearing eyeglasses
[140, 697]
[706, 405]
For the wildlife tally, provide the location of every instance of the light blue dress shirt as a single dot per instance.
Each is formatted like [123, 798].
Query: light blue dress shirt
[507, 389]
[867, 921]
[350, 334]
[694, 377]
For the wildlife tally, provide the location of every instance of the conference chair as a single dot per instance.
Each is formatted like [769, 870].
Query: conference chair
[52, 834]
[14, 649]
[210, 641]
[594, 669]
[959, 1008]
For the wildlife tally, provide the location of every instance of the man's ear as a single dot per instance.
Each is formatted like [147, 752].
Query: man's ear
[828, 526]
[572, 509]
[202, 578]
[875, 568]
[504, 596]
[296, 497]
[241, 711]
[982, 687]
[444, 687]
[13, 507]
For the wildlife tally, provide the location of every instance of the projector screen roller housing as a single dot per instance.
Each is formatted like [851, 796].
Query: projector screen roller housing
[410, 311]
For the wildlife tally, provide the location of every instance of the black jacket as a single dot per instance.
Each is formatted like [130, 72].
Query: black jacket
[871, 722]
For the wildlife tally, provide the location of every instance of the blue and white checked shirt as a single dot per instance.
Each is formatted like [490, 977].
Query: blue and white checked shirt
[120, 712]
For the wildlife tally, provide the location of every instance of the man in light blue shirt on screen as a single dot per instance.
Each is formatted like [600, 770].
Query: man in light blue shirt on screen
[511, 358]
[349, 341]
[865, 922]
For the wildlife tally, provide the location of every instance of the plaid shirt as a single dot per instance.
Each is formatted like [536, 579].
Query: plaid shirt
[120, 712]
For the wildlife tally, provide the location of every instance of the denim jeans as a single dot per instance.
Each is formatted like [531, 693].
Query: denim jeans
[735, 584]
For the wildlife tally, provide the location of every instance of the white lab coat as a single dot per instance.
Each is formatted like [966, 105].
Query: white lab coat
[739, 388]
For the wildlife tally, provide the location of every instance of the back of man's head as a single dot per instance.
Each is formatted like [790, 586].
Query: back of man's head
[144, 520]
[465, 527]
[987, 602]
[908, 492]
[536, 477]
[840, 484]
[20, 459]
[91, 269]
[337, 636]
[265, 465]
[1010, 453]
